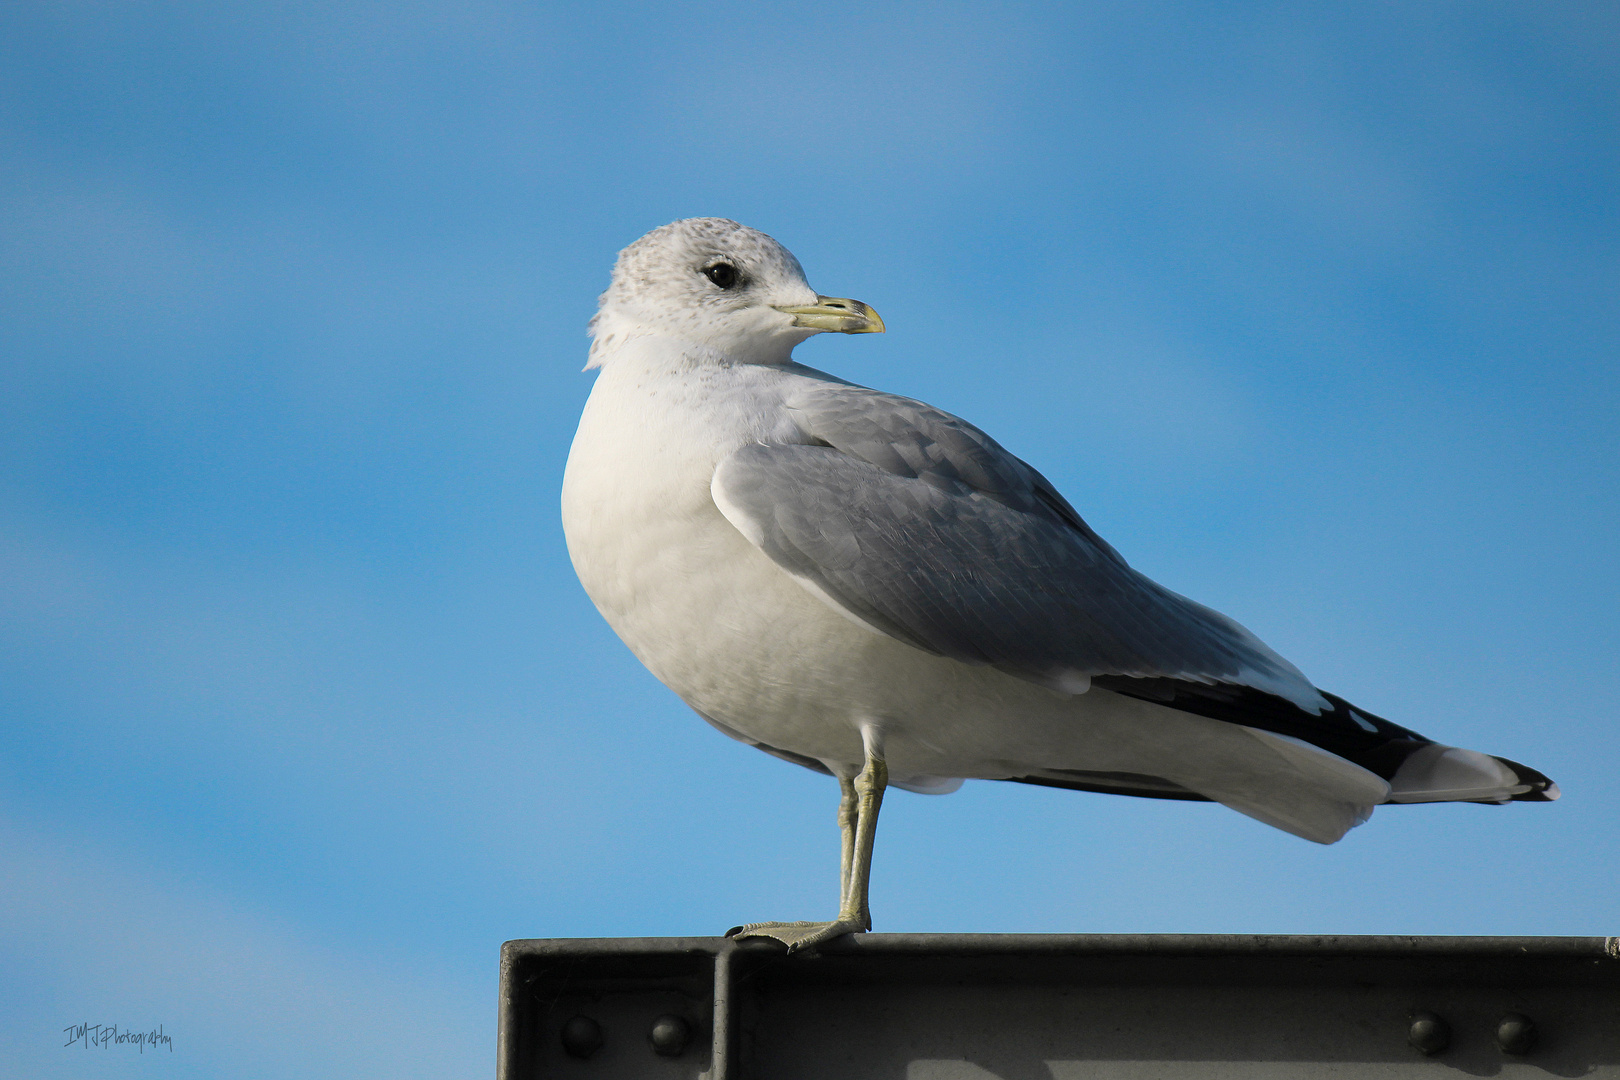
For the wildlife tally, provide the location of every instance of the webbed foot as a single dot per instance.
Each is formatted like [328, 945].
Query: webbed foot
[798, 936]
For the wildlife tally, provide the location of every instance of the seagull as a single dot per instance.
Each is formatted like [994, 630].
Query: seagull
[873, 588]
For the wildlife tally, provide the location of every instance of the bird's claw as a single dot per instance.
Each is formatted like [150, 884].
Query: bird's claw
[798, 936]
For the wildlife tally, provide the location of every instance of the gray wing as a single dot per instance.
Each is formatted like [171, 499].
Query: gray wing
[920, 525]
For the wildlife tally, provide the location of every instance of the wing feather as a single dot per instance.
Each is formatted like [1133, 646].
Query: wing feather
[921, 525]
[918, 525]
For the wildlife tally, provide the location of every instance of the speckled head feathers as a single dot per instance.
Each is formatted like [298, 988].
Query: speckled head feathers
[708, 281]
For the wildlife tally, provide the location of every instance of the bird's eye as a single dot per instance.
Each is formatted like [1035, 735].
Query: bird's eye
[723, 274]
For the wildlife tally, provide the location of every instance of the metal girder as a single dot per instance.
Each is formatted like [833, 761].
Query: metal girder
[1056, 1007]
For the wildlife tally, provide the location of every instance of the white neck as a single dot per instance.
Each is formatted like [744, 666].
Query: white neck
[613, 331]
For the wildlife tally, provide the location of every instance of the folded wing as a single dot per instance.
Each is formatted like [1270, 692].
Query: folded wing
[919, 525]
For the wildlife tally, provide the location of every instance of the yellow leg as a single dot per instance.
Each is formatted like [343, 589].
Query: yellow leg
[859, 802]
[848, 814]
[869, 787]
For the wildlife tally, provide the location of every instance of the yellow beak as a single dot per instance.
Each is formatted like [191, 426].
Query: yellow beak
[836, 313]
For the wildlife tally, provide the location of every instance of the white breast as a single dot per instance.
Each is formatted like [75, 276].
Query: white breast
[705, 610]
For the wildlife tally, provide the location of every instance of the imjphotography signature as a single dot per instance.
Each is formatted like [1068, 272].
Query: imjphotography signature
[105, 1035]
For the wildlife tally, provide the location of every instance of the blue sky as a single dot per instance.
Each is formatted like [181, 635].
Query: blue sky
[1309, 308]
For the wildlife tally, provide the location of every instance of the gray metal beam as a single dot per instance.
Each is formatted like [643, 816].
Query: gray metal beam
[1055, 1007]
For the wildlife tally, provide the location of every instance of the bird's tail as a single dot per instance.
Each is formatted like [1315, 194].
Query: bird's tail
[1437, 773]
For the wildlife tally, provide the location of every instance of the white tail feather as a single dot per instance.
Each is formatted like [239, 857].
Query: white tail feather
[1451, 774]
[1318, 796]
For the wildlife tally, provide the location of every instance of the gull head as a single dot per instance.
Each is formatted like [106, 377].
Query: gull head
[722, 286]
